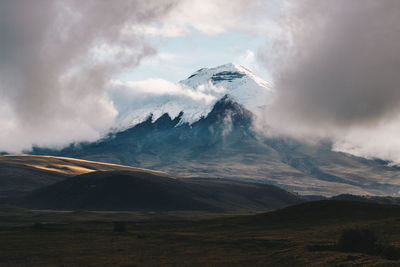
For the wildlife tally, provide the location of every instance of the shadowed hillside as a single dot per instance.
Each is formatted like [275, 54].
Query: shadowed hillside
[224, 144]
[139, 190]
[23, 173]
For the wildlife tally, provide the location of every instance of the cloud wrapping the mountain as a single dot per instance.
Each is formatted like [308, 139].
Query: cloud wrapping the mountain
[58, 56]
[55, 58]
[336, 71]
[137, 100]
[159, 87]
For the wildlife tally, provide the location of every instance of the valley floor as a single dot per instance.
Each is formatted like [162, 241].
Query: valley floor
[280, 238]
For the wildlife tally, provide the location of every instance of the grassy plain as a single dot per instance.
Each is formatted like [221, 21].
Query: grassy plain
[278, 238]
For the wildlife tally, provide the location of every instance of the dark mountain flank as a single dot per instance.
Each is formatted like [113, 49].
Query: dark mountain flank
[144, 191]
[225, 144]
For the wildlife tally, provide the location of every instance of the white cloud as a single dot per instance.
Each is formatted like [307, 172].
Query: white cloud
[57, 56]
[163, 30]
[214, 17]
[160, 87]
[55, 59]
[380, 141]
[217, 16]
[335, 71]
[250, 60]
[137, 100]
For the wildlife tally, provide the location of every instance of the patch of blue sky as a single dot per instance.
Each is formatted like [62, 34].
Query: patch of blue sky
[178, 57]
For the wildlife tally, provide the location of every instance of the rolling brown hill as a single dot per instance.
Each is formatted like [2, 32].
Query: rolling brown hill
[48, 182]
[23, 173]
[145, 191]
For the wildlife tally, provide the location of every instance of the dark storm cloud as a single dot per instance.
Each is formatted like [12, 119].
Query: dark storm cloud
[339, 63]
[55, 58]
[336, 69]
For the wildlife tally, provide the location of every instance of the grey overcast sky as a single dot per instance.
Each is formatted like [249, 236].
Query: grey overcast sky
[334, 64]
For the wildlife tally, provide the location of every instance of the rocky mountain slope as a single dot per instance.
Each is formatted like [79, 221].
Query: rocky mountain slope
[223, 143]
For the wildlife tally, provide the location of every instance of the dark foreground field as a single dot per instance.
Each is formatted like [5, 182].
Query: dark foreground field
[285, 237]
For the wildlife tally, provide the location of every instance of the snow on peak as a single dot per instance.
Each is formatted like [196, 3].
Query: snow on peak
[196, 95]
[224, 74]
[239, 83]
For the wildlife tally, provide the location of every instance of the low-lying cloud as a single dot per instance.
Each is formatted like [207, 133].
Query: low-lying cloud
[336, 71]
[56, 57]
[160, 87]
[135, 101]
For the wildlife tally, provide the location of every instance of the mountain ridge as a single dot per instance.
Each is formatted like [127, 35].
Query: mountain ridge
[201, 91]
[224, 143]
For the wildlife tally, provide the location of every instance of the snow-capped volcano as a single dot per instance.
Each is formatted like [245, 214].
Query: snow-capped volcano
[196, 95]
[223, 143]
[239, 83]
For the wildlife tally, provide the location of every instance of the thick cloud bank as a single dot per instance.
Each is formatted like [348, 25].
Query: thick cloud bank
[56, 57]
[336, 70]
